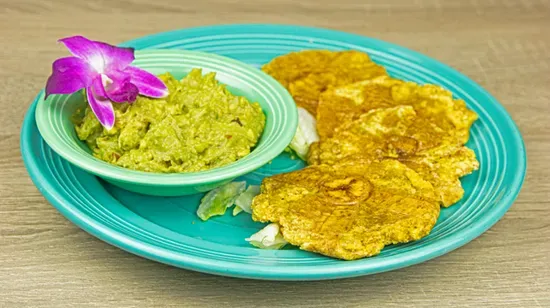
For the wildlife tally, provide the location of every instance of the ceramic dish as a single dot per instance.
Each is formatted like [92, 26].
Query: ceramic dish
[53, 118]
[167, 229]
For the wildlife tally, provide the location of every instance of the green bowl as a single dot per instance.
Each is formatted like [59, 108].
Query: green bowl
[54, 121]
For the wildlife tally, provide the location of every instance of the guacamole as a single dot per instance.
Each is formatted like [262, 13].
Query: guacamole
[199, 126]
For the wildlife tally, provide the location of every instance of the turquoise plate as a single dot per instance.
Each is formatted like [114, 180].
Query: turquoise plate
[167, 230]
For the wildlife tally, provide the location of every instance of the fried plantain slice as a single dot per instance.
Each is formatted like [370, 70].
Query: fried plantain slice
[348, 213]
[306, 74]
[347, 103]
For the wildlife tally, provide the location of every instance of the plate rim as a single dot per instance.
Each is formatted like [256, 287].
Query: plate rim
[339, 270]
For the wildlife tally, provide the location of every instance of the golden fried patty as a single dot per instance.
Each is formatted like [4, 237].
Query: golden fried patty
[347, 103]
[401, 133]
[343, 213]
[306, 74]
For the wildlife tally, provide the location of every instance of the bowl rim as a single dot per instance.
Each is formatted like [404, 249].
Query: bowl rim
[229, 171]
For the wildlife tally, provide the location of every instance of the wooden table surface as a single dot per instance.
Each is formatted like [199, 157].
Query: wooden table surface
[45, 261]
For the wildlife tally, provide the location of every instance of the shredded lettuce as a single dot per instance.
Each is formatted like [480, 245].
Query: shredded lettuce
[269, 237]
[216, 201]
[244, 201]
[306, 134]
[237, 210]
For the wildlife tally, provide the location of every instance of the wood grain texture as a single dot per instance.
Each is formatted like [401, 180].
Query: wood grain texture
[45, 261]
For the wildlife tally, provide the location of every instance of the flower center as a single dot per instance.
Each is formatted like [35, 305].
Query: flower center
[98, 63]
[106, 81]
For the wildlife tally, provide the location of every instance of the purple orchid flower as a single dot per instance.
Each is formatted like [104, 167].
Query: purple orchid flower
[105, 72]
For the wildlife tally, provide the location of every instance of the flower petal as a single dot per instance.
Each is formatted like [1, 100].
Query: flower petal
[116, 58]
[147, 83]
[69, 75]
[125, 93]
[119, 89]
[100, 104]
[102, 56]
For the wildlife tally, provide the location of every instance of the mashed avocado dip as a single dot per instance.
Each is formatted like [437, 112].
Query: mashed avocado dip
[199, 126]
